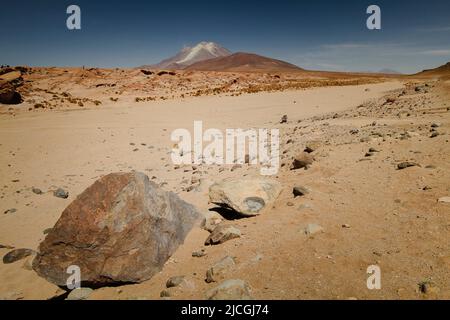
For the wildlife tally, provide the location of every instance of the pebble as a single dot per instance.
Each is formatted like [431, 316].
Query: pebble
[444, 200]
[198, 254]
[61, 193]
[165, 294]
[313, 228]
[174, 281]
[434, 134]
[299, 191]
[406, 164]
[16, 255]
[36, 190]
[233, 289]
[79, 294]
[217, 270]
[222, 233]
[12, 210]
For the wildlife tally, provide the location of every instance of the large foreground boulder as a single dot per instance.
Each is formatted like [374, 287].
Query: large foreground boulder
[122, 229]
[246, 196]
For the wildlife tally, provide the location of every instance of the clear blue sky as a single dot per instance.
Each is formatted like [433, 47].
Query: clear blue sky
[319, 34]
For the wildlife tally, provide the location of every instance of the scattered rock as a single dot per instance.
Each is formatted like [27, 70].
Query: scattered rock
[174, 281]
[199, 254]
[211, 220]
[444, 200]
[406, 164]
[80, 294]
[165, 294]
[61, 193]
[36, 190]
[312, 146]
[147, 72]
[313, 228]
[246, 196]
[284, 119]
[16, 255]
[122, 229]
[434, 134]
[299, 191]
[233, 289]
[345, 225]
[12, 210]
[302, 160]
[216, 271]
[222, 233]
[428, 287]
[170, 73]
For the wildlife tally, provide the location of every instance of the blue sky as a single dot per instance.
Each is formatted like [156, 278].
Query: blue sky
[320, 35]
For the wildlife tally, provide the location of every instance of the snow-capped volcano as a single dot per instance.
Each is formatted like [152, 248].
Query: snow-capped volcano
[188, 55]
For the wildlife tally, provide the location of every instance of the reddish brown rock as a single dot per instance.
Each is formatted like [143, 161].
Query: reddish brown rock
[122, 229]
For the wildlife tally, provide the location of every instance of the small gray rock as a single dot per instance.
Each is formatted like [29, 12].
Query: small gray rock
[61, 193]
[313, 228]
[222, 233]
[211, 220]
[198, 254]
[216, 271]
[174, 281]
[233, 289]
[16, 255]
[406, 164]
[80, 294]
[36, 190]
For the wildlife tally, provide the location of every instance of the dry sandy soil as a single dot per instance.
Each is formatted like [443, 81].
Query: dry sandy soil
[371, 212]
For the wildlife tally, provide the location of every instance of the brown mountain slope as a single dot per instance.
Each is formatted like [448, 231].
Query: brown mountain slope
[242, 61]
[443, 70]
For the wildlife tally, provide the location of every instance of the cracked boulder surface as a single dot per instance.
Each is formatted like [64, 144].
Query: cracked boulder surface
[122, 229]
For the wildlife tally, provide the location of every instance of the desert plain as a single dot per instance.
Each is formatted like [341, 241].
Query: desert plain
[376, 192]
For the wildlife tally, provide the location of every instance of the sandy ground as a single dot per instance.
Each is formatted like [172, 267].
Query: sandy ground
[392, 221]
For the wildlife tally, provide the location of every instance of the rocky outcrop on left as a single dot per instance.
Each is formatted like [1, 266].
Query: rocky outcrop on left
[122, 229]
[10, 80]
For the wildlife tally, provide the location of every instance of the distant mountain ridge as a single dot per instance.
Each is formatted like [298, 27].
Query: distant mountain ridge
[242, 61]
[389, 71]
